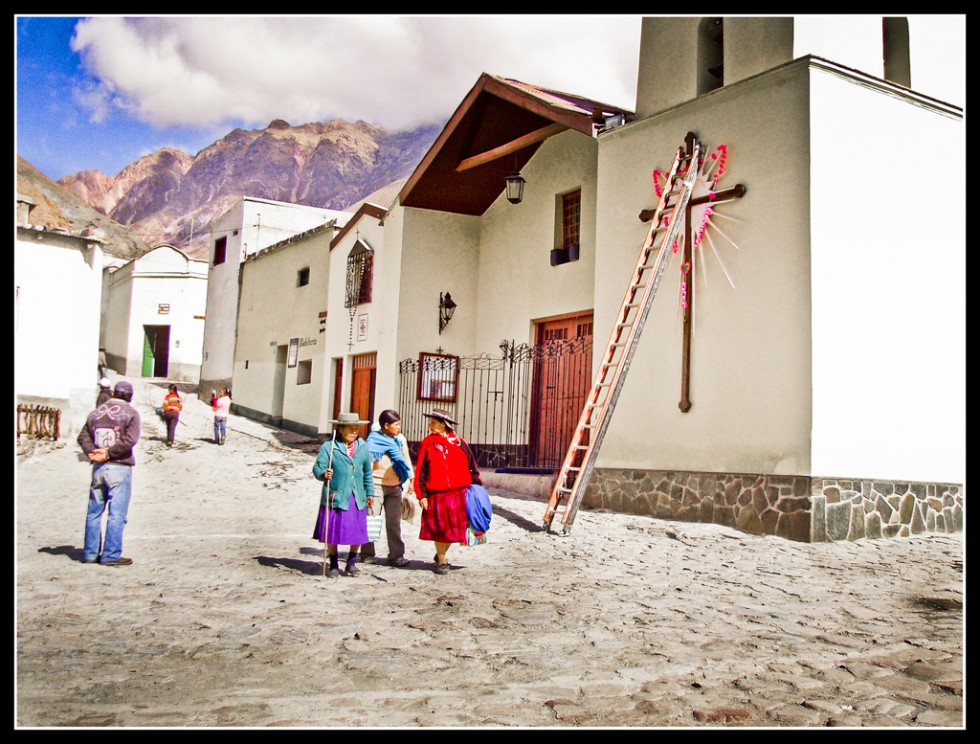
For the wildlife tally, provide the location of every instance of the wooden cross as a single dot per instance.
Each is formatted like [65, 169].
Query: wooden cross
[737, 191]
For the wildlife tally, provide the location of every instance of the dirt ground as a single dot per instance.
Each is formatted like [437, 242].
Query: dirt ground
[225, 620]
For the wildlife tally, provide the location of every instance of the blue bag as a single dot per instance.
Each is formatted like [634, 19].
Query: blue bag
[478, 508]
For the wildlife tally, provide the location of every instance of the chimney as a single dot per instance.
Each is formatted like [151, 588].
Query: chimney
[24, 207]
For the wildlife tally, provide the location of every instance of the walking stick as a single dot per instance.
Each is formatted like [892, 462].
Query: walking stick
[326, 516]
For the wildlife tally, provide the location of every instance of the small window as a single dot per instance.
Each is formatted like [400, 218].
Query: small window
[567, 228]
[571, 210]
[303, 277]
[438, 374]
[304, 372]
[220, 246]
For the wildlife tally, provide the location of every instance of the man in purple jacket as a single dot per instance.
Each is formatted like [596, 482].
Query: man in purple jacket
[108, 438]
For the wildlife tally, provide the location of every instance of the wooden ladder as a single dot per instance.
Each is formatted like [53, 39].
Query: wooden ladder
[601, 401]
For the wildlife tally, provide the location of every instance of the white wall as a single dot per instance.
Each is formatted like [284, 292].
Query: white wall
[517, 283]
[259, 223]
[274, 310]
[440, 253]
[380, 315]
[165, 276]
[888, 276]
[750, 355]
[58, 290]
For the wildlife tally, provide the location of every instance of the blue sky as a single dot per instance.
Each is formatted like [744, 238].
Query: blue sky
[102, 91]
[131, 86]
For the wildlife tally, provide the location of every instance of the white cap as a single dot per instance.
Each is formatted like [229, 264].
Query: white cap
[104, 382]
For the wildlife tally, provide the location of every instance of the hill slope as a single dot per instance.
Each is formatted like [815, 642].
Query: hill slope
[170, 196]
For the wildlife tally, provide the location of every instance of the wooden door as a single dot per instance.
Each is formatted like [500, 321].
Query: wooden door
[562, 377]
[363, 376]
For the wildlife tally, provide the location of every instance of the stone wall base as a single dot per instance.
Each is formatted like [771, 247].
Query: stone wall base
[801, 508]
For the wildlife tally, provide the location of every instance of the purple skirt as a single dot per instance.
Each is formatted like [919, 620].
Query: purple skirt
[344, 526]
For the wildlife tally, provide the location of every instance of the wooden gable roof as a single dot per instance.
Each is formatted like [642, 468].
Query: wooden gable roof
[495, 130]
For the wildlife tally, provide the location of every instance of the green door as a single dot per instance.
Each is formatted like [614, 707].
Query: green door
[147, 352]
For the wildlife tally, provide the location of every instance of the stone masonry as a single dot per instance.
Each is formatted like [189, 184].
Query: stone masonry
[801, 508]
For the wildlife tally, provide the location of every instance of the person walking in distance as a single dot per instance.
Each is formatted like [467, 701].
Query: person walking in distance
[222, 407]
[105, 392]
[445, 467]
[392, 471]
[172, 406]
[344, 465]
[108, 438]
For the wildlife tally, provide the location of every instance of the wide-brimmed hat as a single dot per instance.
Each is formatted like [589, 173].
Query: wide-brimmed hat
[348, 419]
[442, 415]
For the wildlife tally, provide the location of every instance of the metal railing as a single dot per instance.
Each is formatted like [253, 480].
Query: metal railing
[518, 409]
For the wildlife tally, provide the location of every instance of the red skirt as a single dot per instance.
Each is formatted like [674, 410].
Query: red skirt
[445, 520]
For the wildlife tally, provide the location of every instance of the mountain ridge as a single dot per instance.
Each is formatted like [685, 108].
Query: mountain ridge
[169, 196]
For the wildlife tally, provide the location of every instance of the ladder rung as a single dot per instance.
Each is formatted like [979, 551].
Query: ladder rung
[581, 446]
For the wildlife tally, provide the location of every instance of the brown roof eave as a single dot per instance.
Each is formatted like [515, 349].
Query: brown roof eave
[369, 209]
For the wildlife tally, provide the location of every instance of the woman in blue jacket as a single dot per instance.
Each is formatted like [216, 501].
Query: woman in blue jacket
[344, 465]
[392, 470]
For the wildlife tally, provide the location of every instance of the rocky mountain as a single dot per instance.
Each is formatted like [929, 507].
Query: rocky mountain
[57, 207]
[171, 197]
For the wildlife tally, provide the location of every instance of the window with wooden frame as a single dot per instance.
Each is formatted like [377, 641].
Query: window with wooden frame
[438, 375]
[567, 227]
[303, 276]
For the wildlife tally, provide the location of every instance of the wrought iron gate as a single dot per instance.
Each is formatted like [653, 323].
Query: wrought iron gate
[498, 400]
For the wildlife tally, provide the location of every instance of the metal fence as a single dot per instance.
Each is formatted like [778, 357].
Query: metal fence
[516, 410]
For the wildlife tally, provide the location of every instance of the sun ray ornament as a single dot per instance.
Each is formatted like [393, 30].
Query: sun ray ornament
[702, 216]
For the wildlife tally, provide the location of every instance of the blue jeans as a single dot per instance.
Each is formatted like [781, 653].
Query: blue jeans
[220, 428]
[112, 487]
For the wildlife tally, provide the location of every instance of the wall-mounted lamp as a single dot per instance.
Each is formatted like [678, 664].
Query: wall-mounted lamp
[446, 309]
[515, 187]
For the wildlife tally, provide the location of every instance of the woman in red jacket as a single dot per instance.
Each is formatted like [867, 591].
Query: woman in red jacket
[445, 468]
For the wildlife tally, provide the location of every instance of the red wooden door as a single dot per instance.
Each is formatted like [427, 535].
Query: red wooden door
[562, 376]
[362, 388]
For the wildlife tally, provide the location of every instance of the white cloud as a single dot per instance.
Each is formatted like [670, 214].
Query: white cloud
[396, 71]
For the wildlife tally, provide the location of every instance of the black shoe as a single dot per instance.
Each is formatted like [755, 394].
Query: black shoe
[399, 562]
[120, 561]
[90, 560]
[352, 570]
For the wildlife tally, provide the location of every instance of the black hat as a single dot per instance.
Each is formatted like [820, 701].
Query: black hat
[441, 414]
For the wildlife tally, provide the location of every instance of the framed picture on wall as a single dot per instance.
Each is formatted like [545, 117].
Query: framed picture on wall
[438, 375]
